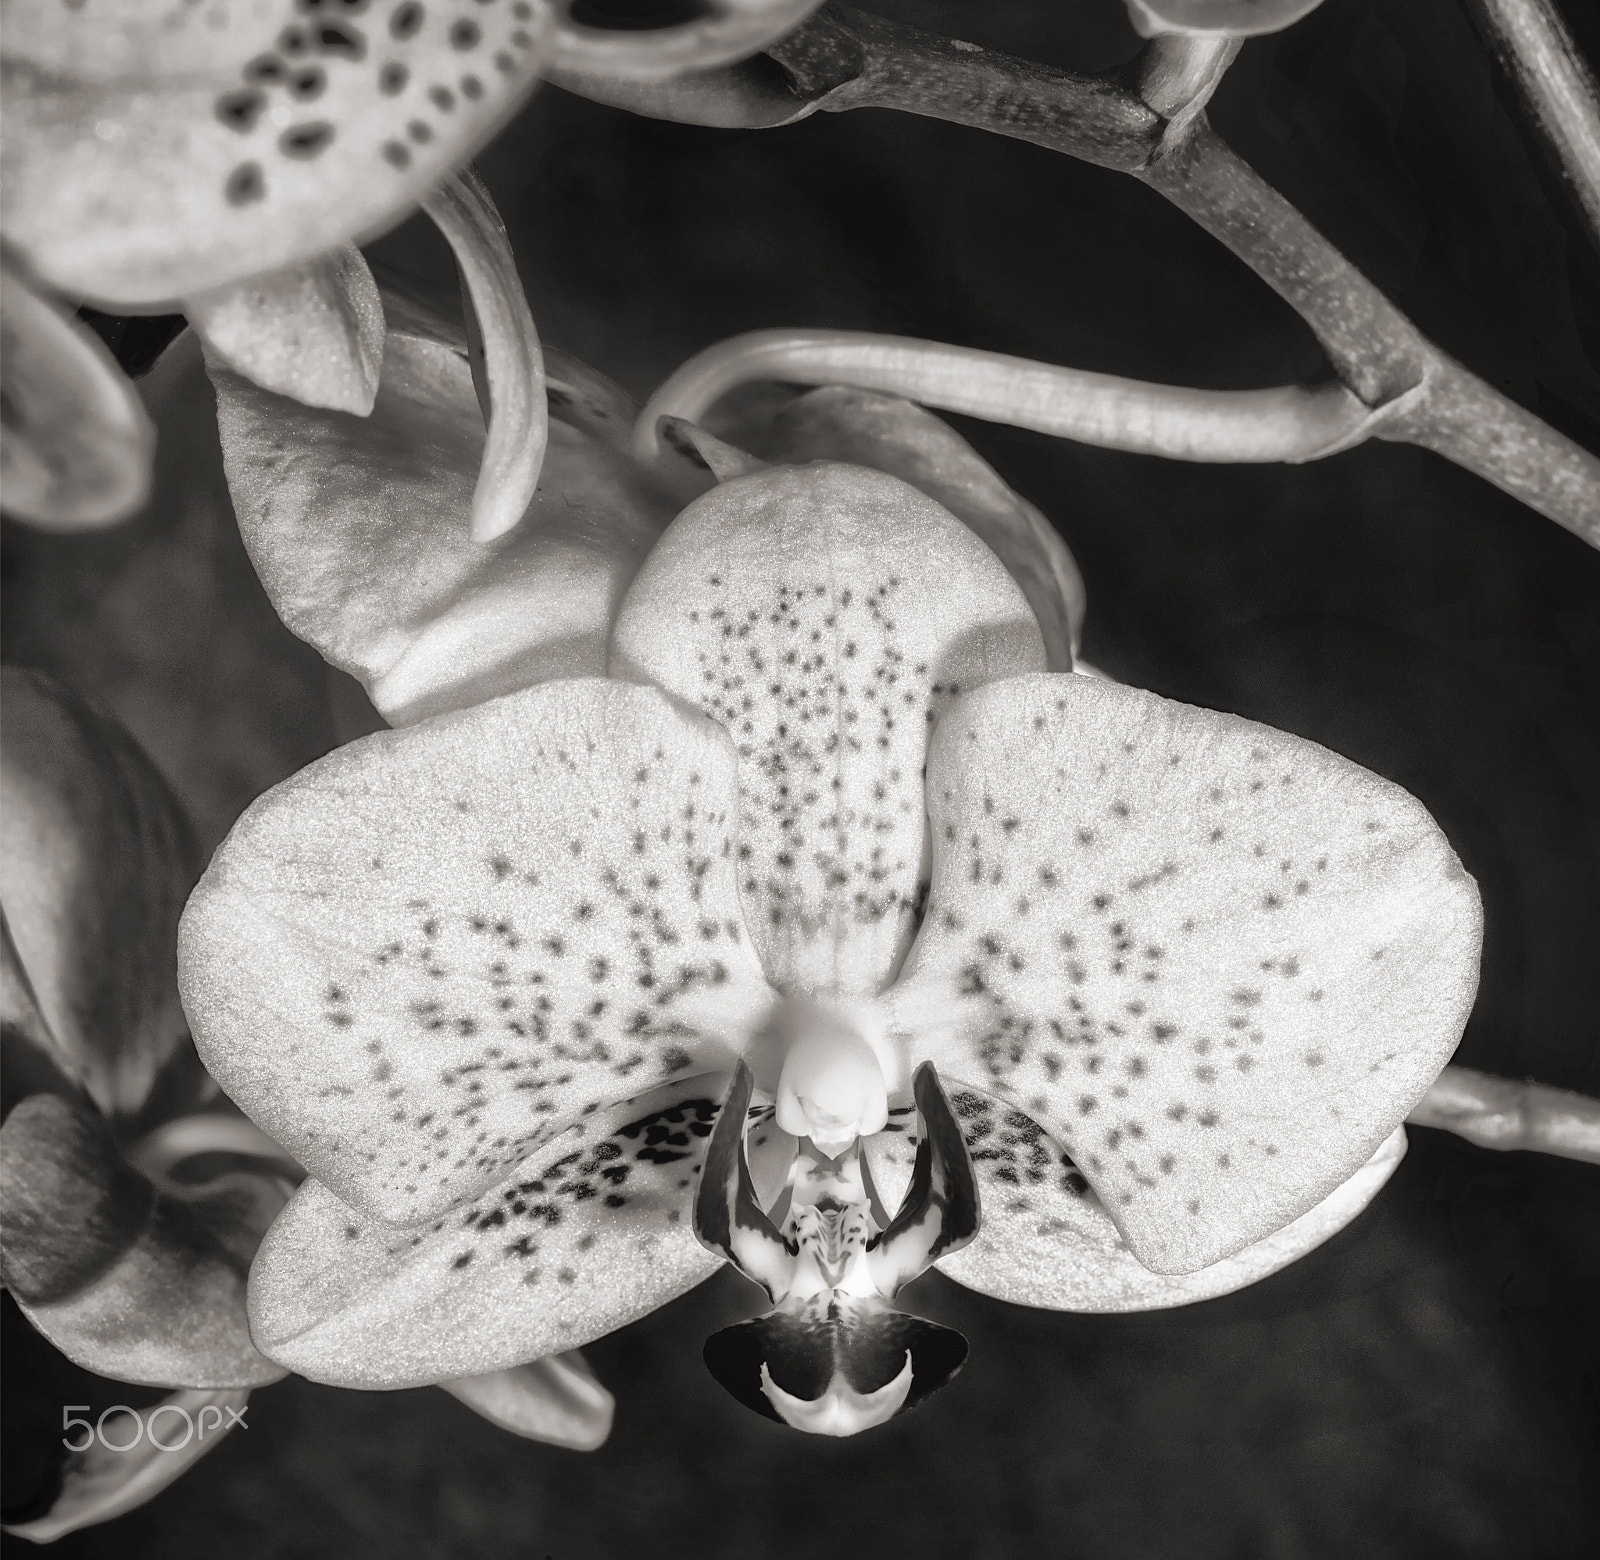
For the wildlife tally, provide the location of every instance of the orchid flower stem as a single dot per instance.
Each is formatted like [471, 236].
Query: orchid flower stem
[1556, 87]
[1416, 393]
[1292, 423]
[1508, 1114]
[512, 361]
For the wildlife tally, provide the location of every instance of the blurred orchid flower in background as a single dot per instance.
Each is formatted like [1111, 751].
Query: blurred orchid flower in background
[225, 163]
[135, 1195]
[834, 811]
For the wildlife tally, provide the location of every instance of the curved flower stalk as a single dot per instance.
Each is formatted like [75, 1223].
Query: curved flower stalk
[828, 819]
[135, 1199]
[225, 162]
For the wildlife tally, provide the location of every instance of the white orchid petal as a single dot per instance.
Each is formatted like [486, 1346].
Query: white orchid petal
[1048, 1241]
[313, 332]
[590, 1232]
[1220, 963]
[810, 610]
[443, 621]
[417, 959]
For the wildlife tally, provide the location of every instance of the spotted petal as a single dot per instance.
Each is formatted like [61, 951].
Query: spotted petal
[1218, 963]
[1048, 1241]
[417, 959]
[125, 1280]
[152, 153]
[96, 859]
[810, 610]
[589, 1233]
[75, 443]
[444, 621]
[889, 433]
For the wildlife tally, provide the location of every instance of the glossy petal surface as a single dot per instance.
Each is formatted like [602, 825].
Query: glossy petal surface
[1218, 962]
[95, 861]
[590, 1232]
[313, 332]
[444, 621]
[810, 611]
[153, 152]
[75, 443]
[890, 434]
[419, 958]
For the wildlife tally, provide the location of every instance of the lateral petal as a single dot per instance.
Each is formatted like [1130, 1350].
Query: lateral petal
[592, 1231]
[809, 609]
[1218, 962]
[417, 959]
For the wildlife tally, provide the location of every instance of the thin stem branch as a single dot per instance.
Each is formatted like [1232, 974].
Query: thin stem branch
[1291, 423]
[843, 60]
[1507, 1114]
[1556, 86]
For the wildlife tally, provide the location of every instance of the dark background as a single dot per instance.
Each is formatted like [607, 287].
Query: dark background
[1427, 1383]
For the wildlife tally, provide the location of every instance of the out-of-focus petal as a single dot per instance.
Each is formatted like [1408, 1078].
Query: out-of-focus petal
[589, 1233]
[102, 1482]
[463, 935]
[556, 1400]
[1048, 1241]
[810, 610]
[164, 622]
[126, 1281]
[152, 154]
[75, 444]
[1225, 18]
[889, 433]
[701, 36]
[505, 339]
[1218, 962]
[313, 332]
[359, 529]
[95, 861]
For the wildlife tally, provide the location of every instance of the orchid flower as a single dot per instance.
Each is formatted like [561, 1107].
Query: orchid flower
[1098, 1000]
[226, 163]
[134, 1204]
